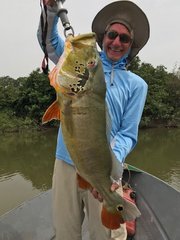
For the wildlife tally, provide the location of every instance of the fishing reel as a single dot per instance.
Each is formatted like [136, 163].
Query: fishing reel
[62, 13]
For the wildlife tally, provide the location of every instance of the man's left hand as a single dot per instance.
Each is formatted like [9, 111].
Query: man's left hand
[98, 196]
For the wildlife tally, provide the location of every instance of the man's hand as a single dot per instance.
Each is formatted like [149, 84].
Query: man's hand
[96, 194]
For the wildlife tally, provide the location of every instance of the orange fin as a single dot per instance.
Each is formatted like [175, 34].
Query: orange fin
[53, 80]
[111, 220]
[52, 77]
[53, 112]
[83, 183]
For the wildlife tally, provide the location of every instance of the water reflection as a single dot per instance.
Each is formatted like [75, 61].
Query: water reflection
[26, 162]
[31, 155]
[158, 153]
[26, 166]
[15, 189]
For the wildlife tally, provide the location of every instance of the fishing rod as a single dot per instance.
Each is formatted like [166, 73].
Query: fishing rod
[62, 14]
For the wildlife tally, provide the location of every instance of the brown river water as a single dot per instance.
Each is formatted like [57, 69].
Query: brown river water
[26, 162]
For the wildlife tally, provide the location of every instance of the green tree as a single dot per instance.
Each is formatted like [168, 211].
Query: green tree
[35, 96]
[173, 88]
[23, 101]
[135, 64]
[9, 90]
[161, 105]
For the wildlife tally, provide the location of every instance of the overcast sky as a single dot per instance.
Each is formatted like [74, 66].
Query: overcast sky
[20, 53]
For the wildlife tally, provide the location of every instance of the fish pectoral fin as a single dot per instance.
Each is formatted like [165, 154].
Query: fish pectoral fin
[53, 112]
[82, 183]
[52, 77]
[111, 220]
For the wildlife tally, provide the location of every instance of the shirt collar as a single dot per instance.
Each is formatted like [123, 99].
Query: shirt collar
[108, 64]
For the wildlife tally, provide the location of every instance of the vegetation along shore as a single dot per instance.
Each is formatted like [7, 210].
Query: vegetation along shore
[24, 100]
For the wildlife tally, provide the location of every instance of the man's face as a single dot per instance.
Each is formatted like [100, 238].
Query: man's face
[114, 46]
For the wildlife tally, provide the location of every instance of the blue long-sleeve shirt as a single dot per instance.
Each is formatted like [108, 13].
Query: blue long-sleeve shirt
[125, 96]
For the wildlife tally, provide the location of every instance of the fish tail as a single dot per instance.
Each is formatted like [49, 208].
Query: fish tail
[128, 210]
[124, 211]
[111, 220]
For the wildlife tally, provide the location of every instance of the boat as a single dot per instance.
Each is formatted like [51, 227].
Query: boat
[158, 202]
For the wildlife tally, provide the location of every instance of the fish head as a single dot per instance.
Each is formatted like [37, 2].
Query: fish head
[77, 72]
[78, 64]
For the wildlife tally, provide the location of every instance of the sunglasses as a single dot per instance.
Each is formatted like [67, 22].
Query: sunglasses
[123, 38]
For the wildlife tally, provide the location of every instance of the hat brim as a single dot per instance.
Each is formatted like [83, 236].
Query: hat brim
[123, 12]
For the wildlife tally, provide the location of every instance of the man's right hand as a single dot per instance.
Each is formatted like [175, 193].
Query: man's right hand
[96, 195]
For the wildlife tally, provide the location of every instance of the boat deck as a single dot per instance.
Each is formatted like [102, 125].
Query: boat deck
[158, 202]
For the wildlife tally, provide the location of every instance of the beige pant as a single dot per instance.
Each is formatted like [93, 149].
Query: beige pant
[69, 202]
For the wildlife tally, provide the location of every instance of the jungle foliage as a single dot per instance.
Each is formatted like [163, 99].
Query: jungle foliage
[24, 100]
[163, 100]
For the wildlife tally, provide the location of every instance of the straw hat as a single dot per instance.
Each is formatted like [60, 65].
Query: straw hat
[128, 14]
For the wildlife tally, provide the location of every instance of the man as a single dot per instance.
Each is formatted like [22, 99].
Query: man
[122, 29]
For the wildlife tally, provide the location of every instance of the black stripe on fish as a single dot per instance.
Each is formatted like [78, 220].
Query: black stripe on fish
[81, 83]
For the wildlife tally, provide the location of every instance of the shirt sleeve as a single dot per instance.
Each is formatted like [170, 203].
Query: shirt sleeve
[54, 43]
[126, 138]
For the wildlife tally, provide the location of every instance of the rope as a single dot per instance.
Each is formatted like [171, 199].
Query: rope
[44, 27]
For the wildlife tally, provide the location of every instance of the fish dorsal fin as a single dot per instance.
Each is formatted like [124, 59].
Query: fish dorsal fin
[117, 167]
[53, 112]
[108, 124]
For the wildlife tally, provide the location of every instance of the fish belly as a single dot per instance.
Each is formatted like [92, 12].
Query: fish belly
[84, 131]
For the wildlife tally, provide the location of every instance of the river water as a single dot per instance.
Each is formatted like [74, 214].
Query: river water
[26, 162]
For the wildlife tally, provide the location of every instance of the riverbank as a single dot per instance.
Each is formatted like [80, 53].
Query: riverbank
[161, 124]
[11, 124]
[17, 126]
